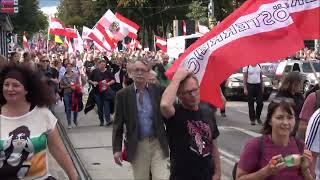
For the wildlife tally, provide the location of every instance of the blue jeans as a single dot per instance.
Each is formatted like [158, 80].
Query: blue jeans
[67, 97]
[103, 107]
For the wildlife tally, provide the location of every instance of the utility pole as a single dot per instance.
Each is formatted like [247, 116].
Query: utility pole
[212, 19]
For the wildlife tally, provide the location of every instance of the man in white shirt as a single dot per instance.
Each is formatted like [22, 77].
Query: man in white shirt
[313, 142]
[253, 88]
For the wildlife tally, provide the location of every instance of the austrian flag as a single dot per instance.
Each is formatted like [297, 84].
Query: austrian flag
[161, 43]
[258, 31]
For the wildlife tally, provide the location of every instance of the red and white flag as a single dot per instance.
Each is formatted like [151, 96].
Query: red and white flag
[110, 26]
[131, 26]
[56, 27]
[78, 43]
[184, 28]
[258, 31]
[134, 44]
[161, 43]
[70, 32]
[25, 43]
[85, 32]
[306, 16]
[68, 44]
[104, 43]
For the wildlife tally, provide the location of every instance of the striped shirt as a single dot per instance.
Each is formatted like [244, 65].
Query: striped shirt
[313, 138]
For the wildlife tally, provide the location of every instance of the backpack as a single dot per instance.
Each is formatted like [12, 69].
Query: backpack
[300, 146]
[317, 100]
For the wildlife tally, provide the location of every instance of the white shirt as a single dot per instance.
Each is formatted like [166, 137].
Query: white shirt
[253, 74]
[313, 138]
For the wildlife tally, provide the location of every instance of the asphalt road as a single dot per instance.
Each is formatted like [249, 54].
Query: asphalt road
[235, 131]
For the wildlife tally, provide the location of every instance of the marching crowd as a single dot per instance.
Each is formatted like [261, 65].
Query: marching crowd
[154, 119]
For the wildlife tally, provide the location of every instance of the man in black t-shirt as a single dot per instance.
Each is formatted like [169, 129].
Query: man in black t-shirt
[191, 129]
[101, 79]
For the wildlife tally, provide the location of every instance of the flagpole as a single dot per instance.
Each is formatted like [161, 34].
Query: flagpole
[154, 42]
[48, 34]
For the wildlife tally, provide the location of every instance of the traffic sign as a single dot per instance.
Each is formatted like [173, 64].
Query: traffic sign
[9, 2]
[9, 10]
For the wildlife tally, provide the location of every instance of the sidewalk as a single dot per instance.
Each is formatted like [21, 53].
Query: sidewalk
[94, 146]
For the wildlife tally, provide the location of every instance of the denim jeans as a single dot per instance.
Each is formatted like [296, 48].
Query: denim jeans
[103, 107]
[67, 97]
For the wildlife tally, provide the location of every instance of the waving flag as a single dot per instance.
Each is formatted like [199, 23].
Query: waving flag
[57, 39]
[306, 15]
[70, 32]
[111, 27]
[78, 43]
[131, 26]
[161, 43]
[85, 32]
[258, 31]
[103, 43]
[25, 43]
[56, 27]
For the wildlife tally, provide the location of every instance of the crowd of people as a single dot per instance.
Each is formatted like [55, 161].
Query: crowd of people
[159, 126]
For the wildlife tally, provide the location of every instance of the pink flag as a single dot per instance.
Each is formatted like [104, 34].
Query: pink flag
[258, 31]
[130, 25]
[56, 27]
[25, 43]
[306, 15]
[161, 43]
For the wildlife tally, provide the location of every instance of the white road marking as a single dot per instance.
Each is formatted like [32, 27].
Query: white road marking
[249, 132]
[229, 156]
[243, 112]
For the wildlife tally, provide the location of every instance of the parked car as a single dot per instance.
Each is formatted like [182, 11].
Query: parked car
[304, 67]
[234, 86]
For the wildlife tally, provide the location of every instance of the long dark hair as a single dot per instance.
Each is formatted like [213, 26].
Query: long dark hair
[286, 104]
[38, 90]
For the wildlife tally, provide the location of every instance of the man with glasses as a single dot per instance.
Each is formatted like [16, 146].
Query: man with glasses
[138, 109]
[50, 75]
[191, 129]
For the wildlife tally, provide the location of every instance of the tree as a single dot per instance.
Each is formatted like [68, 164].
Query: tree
[198, 12]
[30, 18]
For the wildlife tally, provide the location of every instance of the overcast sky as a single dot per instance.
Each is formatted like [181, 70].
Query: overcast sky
[49, 7]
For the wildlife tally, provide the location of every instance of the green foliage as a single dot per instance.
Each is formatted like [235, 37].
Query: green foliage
[153, 16]
[29, 19]
[198, 12]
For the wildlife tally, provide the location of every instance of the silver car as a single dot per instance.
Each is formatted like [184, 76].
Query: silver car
[309, 78]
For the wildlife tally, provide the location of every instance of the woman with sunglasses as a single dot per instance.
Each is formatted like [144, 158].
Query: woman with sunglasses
[27, 128]
[268, 157]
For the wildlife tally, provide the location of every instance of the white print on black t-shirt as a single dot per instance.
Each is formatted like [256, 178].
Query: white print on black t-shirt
[201, 137]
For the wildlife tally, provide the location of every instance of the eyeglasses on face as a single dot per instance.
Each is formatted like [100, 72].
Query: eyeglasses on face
[139, 70]
[45, 61]
[192, 92]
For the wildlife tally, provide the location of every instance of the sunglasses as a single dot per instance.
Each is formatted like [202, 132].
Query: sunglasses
[45, 61]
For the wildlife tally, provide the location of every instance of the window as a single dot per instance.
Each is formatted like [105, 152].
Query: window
[307, 67]
[287, 68]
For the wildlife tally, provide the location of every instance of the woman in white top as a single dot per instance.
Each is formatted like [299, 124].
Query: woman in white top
[27, 128]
